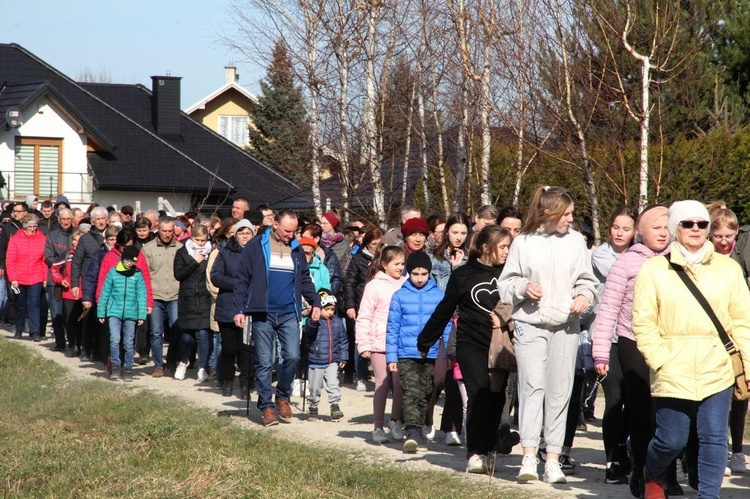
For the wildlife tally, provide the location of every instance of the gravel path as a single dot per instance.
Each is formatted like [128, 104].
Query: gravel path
[354, 431]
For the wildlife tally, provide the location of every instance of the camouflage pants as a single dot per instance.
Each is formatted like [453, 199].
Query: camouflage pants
[416, 382]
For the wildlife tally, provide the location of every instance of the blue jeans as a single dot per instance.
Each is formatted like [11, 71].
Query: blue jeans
[126, 329]
[3, 295]
[157, 328]
[267, 327]
[201, 336]
[56, 312]
[214, 362]
[28, 302]
[673, 418]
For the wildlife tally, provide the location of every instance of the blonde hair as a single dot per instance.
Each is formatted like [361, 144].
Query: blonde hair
[555, 200]
[721, 216]
[198, 230]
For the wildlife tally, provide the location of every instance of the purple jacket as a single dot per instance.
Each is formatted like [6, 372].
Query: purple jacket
[616, 307]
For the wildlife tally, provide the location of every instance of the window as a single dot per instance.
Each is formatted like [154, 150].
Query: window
[38, 167]
[234, 128]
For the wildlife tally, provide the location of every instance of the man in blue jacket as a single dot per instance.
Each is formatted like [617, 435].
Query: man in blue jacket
[272, 279]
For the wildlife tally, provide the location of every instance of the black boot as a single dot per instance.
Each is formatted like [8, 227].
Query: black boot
[227, 388]
[243, 390]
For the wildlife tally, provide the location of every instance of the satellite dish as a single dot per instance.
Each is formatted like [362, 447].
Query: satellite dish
[13, 117]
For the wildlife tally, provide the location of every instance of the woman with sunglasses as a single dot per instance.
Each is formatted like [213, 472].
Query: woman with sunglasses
[691, 370]
[615, 316]
[26, 273]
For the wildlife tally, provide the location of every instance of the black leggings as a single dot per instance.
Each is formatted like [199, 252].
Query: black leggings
[737, 416]
[635, 373]
[72, 310]
[233, 352]
[574, 408]
[616, 411]
[484, 407]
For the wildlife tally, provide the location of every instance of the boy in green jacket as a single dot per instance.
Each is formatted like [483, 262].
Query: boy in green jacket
[123, 303]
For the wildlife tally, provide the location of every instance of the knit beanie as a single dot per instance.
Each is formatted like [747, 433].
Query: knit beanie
[684, 210]
[130, 253]
[418, 260]
[332, 219]
[30, 200]
[649, 216]
[415, 225]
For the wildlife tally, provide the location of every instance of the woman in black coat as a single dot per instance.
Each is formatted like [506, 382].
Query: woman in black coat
[223, 272]
[354, 286]
[194, 301]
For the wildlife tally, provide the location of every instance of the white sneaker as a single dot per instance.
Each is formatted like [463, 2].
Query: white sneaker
[202, 375]
[397, 429]
[553, 472]
[727, 471]
[428, 432]
[528, 468]
[379, 436]
[477, 464]
[451, 438]
[361, 385]
[737, 463]
[179, 373]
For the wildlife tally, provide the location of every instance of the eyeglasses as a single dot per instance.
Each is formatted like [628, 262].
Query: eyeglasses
[19, 211]
[689, 224]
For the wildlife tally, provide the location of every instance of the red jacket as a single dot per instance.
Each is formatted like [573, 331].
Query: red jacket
[110, 261]
[25, 260]
[61, 271]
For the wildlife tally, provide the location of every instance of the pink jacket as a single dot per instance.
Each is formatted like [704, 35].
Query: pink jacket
[616, 307]
[372, 316]
[25, 258]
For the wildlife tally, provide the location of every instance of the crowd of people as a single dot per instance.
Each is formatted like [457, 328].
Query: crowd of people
[423, 306]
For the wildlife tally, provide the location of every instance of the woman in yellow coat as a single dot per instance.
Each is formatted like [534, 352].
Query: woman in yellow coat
[691, 371]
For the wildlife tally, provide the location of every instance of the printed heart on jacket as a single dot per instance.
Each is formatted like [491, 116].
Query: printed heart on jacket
[484, 288]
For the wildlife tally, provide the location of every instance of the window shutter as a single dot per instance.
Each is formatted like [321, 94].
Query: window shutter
[49, 174]
[24, 173]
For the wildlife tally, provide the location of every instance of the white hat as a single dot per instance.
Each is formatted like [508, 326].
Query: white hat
[684, 210]
[243, 224]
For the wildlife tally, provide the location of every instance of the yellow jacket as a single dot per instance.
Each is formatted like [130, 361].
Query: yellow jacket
[675, 335]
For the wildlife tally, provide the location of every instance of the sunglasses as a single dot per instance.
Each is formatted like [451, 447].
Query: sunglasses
[689, 224]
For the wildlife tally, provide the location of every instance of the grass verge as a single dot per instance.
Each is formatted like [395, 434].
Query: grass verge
[64, 437]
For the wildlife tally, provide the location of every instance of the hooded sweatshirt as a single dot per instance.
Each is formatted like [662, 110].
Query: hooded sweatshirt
[560, 264]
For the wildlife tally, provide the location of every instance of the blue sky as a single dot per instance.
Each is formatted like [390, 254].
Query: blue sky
[130, 40]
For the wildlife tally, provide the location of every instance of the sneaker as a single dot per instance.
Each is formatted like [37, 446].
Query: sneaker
[379, 436]
[179, 373]
[285, 410]
[85, 357]
[17, 336]
[428, 432]
[336, 412]
[312, 414]
[411, 445]
[582, 428]
[553, 472]
[737, 463]
[397, 429]
[127, 376]
[528, 468]
[158, 372]
[727, 471]
[269, 417]
[477, 464]
[567, 464]
[451, 438]
[361, 385]
[114, 373]
[202, 375]
[142, 360]
[36, 337]
[615, 475]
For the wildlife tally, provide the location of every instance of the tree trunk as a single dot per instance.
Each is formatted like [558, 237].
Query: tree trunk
[372, 156]
[645, 123]
[423, 149]
[407, 149]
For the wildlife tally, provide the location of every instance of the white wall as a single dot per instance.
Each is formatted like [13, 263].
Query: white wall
[43, 120]
[142, 201]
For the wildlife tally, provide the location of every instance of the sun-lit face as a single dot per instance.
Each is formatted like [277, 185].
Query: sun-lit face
[416, 240]
[166, 232]
[326, 225]
[239, 208]
[723, 239]
[621, 233]
[199, 240]
[499, 254]
[65, 221]
[395, 268]
[285, 229]
[691, 235]
[457, 235]
[99, 221]
[438, 233]
[419, 277]
[563, 223]
[47, 212]
[373, 246]
[142, 232]
[656, 237]
[243, 236]
[512, 224]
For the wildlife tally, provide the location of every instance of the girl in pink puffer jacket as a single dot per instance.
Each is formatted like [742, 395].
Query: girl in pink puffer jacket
[372, 320]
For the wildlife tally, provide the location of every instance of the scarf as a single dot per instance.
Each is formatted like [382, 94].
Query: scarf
[194, 249]
[693, 259]
[120, 268]
[329, 240]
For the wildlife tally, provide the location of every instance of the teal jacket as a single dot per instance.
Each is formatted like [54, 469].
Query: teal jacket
[123, 296]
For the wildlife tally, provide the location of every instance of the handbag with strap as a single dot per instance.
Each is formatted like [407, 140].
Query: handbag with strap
[502, 354]
[740, 391]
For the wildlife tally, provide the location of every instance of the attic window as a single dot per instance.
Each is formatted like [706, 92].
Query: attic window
[234, 128]
[38, 167]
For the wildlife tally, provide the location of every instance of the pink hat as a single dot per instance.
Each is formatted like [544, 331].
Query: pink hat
[332, 219]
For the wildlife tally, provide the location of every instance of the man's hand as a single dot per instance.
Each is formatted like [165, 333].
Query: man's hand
[76, 292]
[315, 314]
[86, 304]
[239, 320]
[351, 313]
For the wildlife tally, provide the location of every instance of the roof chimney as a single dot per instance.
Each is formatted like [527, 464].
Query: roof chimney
[231, 74]
[165, 104]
